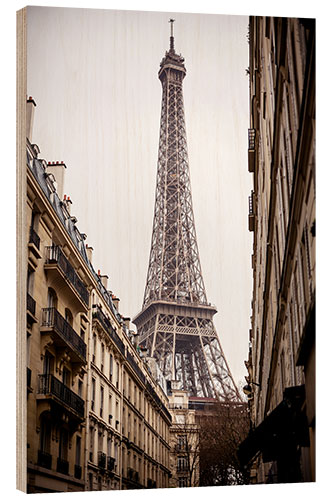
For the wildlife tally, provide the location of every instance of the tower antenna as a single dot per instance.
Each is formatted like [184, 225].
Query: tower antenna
[172, 45]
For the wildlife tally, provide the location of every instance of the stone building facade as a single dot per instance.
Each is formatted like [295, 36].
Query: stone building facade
[184, 440]
[281, 362]
[96, 417]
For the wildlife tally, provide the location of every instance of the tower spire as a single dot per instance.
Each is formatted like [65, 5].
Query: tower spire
[176, 320]
[172, 40]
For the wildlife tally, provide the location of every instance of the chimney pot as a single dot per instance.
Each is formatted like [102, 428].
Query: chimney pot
[30, 107]
[59, 172]
[104, 279]
[89, 253]
[115, 302]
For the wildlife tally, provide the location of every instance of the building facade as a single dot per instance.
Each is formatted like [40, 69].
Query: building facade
[128, 421]
[58, 281]
[184, 440]
[281, 364]
[96, 416]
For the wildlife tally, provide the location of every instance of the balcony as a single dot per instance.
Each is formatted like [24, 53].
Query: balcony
[101, 460]
[135, 367]
[77, 471]
[44, 459]
[29, 388]
[106, 325]
[151, 483]
[62, 466]
[252, 150]
[182, 468]
[31, 310]
[110, 463]
[57, 265]
[63, 334]
[33, 246]
[251, 213]
[53, 388]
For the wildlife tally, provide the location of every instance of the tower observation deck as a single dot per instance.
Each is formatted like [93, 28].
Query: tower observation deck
[176, 320]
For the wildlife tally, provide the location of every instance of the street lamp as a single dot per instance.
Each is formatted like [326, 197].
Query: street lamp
[247, 389]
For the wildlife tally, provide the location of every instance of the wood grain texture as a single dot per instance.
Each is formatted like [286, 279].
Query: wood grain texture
[21, 257]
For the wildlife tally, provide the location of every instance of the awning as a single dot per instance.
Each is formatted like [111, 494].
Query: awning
[285, 426]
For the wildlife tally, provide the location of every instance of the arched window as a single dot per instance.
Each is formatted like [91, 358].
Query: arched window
[52, 299]
[68, 316]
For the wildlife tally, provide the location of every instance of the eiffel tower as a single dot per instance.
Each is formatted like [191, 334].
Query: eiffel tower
[176, 321]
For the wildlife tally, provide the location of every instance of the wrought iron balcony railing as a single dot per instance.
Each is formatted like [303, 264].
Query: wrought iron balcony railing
[54, 254]
[44, 459]
[62, 466]
[101, 460]
[135, 367]
[251, 204]
[252, 156]
[53, 319]
[105, 323]
[51, 386]
[31, 304]
[110, 463]
[251, 213]
[252, 139]
[28, 378]
[34, 238]
[77, 471]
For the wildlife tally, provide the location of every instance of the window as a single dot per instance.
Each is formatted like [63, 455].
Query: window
[92, 441]
[111, 367]
[52, 300]
[63, 444]
[80, 388]
[117, 375]
[102, 356]
[78, 450]
[93, 393]
[90, 481]
[182, 482]
[66, 377]
[45, 435]
[182, 464]
[102, 401]
[110, 408]
[68, 316]
[48, 363]
[94, 348]
[30, 281]
[182, 442]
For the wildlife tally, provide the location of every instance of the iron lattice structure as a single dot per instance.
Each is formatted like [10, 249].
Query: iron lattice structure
[175, 323]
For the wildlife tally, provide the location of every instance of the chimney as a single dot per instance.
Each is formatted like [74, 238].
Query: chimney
[115, 302]
[68, 202]
[57, 168]
[104, 280]
[127, 322]
[30, 117]
[89, 251]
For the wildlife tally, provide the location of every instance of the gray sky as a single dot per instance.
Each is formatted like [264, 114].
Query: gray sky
[93, 75]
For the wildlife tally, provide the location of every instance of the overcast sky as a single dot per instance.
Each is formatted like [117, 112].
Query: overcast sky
[93, 75]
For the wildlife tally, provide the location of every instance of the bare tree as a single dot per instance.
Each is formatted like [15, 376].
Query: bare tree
[222, 429]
